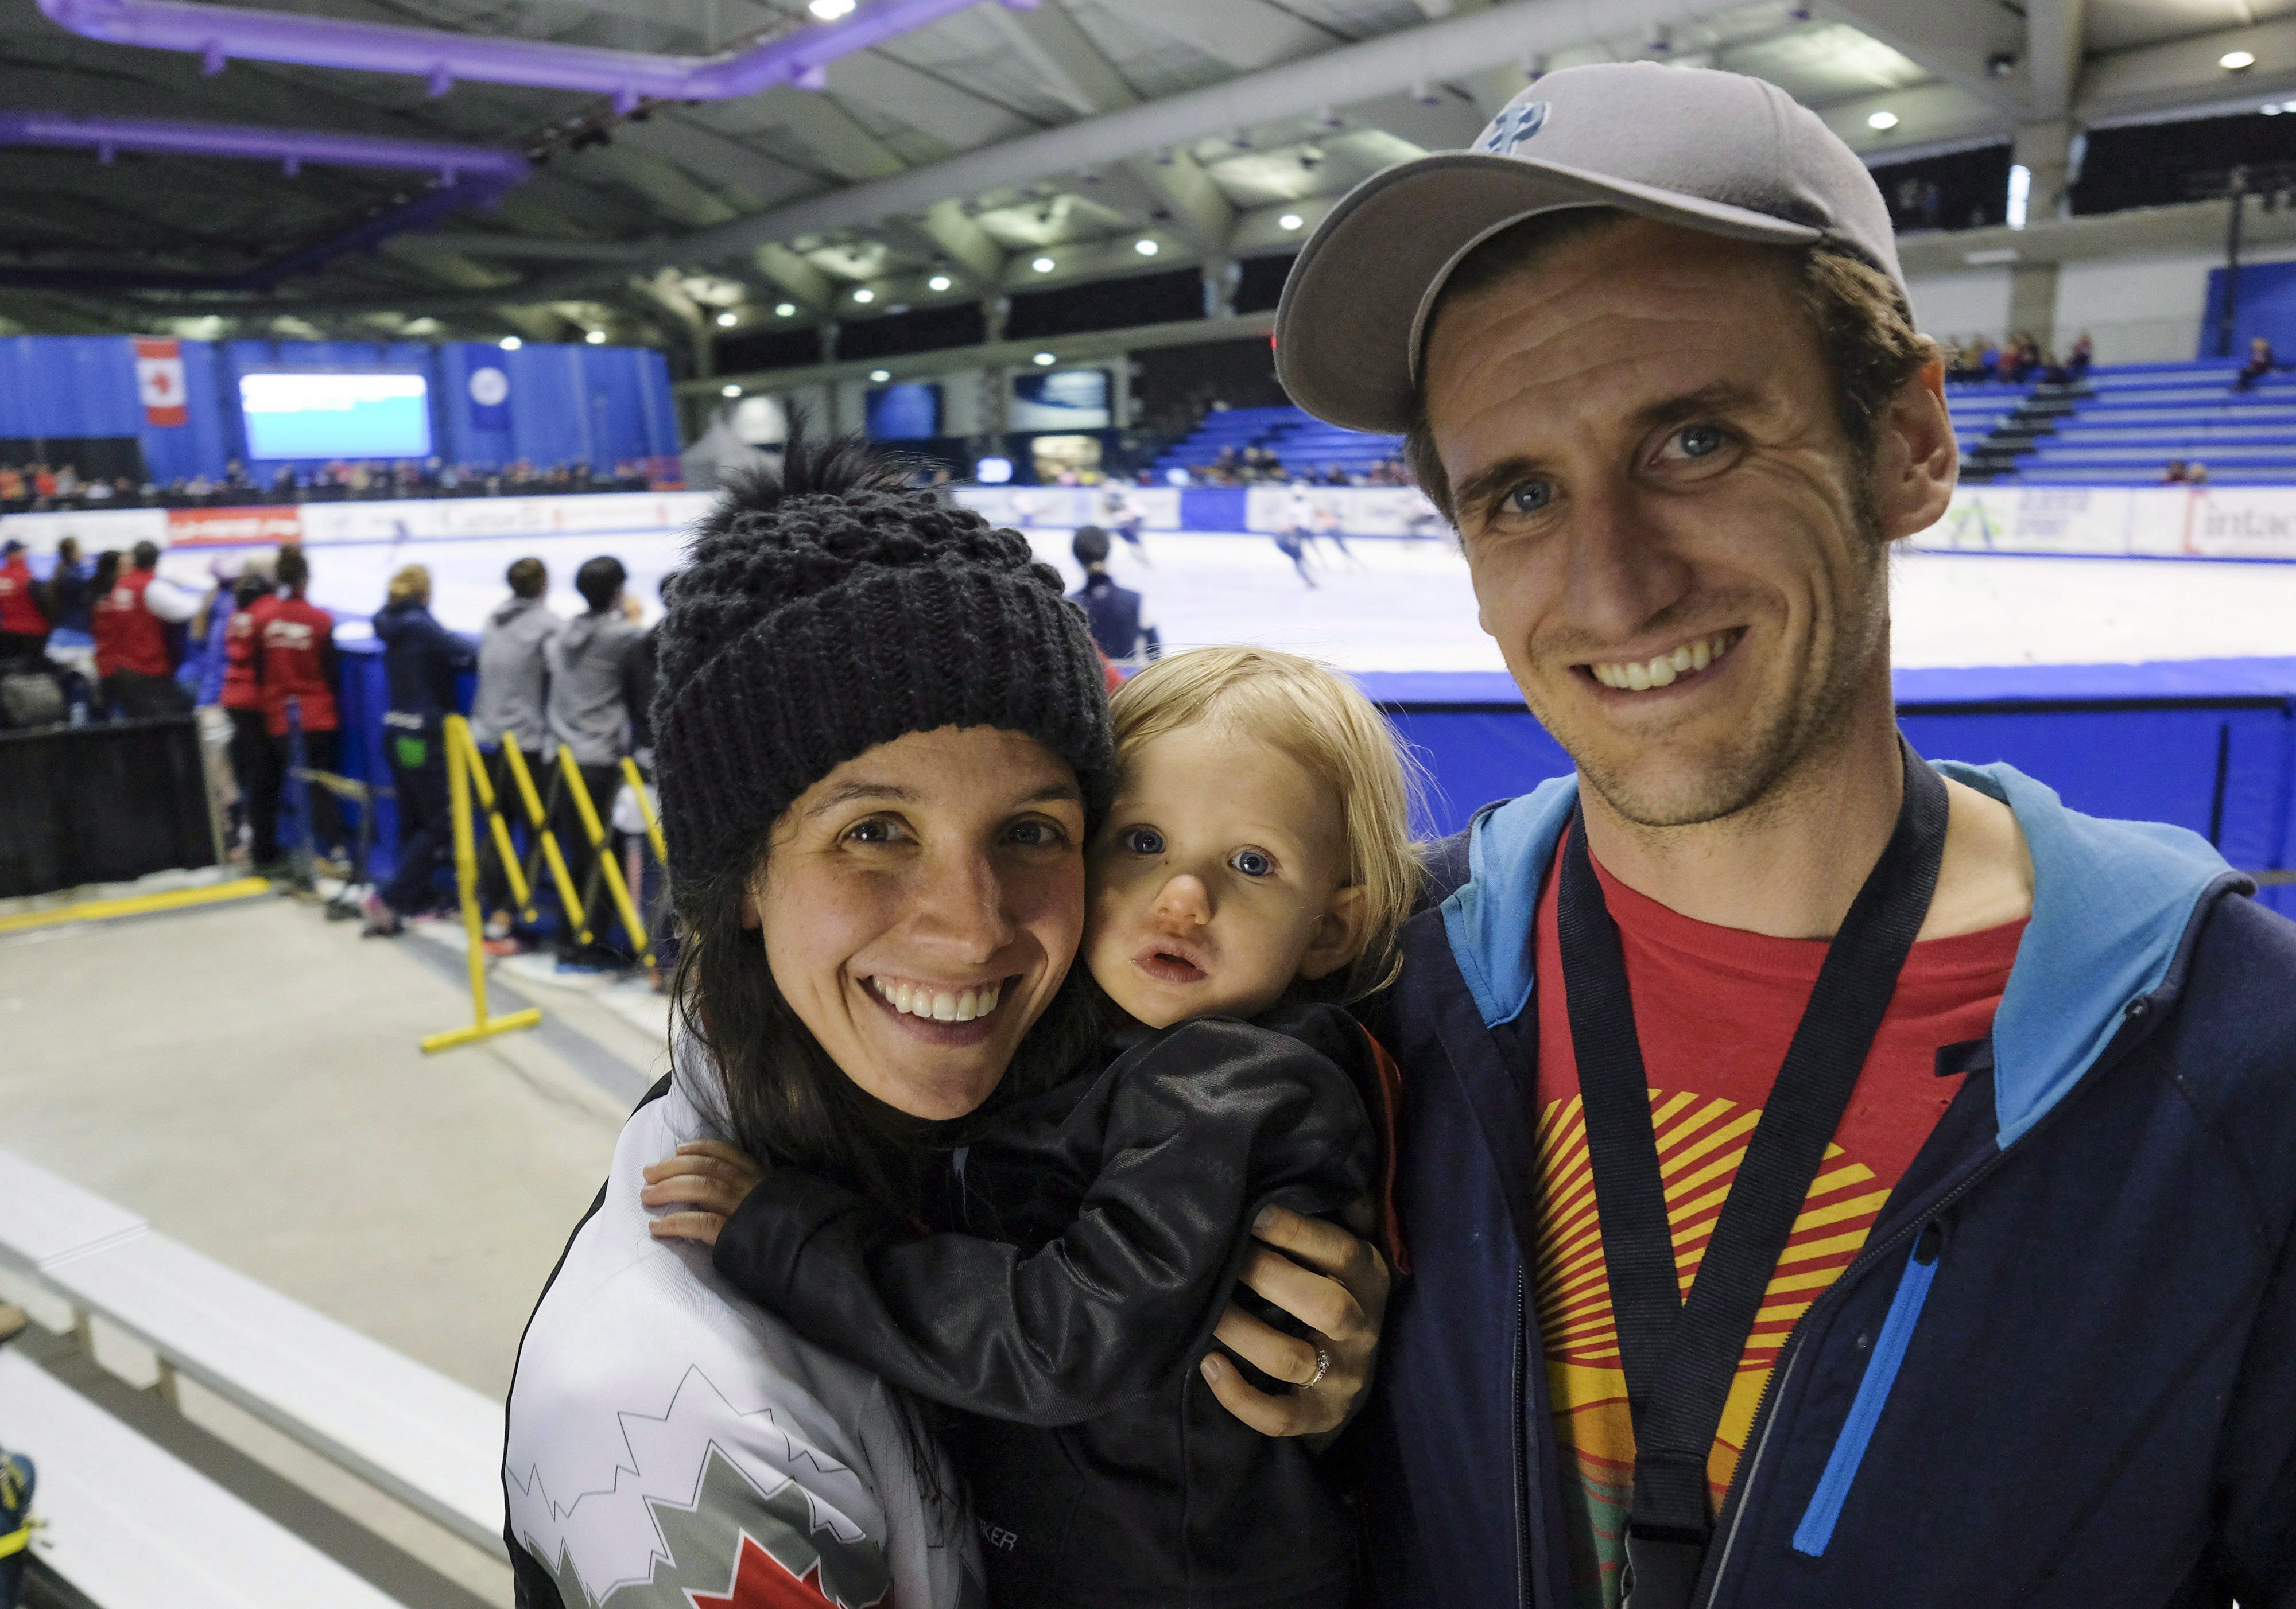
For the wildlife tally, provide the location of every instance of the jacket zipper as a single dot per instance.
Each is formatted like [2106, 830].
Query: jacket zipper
[2137, 1011]
[1523, 1451]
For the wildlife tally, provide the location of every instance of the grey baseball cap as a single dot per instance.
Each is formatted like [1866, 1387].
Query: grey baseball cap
[1710, 150]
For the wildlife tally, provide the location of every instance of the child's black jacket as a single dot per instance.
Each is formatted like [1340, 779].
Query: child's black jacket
[1100, 1228]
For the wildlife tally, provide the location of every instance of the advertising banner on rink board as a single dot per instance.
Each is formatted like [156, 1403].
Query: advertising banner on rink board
[1355, 511]
[1027, 508]
[2143, 522]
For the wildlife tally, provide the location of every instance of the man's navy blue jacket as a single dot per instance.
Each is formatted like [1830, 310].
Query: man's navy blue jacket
[2062, 1374]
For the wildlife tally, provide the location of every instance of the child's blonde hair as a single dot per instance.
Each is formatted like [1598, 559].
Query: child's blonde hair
[1321, 720]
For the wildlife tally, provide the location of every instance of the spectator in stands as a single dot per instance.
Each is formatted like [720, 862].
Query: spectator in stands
[2176, 474]
[2197, 473]
[1118, 615]
[2078, 362]
[253, 765]
[593, 660]
[296, 671]
[1988, 358]
[131, 612]
[2259, 365]
[23, 621]
[421, 661]
[513, 682]
[2020, 360]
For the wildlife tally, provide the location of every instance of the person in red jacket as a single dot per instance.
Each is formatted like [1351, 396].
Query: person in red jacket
[131, 613]
[23, 623]
[252, 765]
[295, 660]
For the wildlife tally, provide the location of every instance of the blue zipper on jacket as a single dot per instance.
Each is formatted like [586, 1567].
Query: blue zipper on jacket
[1817, 1521]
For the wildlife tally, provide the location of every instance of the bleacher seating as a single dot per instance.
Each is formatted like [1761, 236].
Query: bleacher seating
[432, 1443]
[1305, 445]
[2120, 426]
[2126, 424]
[127, 1525]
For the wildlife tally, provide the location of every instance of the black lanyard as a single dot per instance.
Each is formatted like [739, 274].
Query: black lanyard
[1680, 1355]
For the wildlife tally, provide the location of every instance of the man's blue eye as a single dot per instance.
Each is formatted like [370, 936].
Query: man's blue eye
[1144, 840]
[1251, 863]
[1530, 496]
[1699, 440]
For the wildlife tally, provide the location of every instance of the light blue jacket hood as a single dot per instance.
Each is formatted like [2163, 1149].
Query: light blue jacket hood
[2111, 900]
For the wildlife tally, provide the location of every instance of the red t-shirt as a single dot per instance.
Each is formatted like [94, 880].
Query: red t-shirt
[1715, 1009]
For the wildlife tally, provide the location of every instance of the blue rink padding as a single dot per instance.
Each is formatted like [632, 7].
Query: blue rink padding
[2204, 744]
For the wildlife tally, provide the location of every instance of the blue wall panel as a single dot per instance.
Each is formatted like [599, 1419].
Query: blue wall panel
[2268, 307]
[598, 405]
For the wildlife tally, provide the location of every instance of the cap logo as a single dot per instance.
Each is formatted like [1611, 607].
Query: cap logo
[1513, 126]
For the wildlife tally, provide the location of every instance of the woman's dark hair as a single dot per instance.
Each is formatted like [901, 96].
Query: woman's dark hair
[107, 572]
[780, 1095]
[248, 588]
[146, 555]
[293, 569]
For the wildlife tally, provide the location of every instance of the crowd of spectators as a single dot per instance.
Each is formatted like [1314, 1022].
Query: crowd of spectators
[1264, 465]
[38, 486]
[2016, 361]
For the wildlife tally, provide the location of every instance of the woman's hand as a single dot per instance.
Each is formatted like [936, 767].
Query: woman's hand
[710, 1179]
[1332, 1282]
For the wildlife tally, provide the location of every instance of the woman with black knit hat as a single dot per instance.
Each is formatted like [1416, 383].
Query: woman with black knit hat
[880, 732]
[880, 742]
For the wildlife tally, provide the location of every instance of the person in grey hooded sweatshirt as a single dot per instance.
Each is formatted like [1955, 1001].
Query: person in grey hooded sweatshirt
[594, 666]
[513, 679]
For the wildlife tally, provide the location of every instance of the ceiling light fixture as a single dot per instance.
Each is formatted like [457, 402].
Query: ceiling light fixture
[727, 320]
[1043, 264]
[881, 375]
[1289, 220]
[729, 390]
[1044, 360]
[1881, 120]
[939, 281]
[2237, 60]
[510, 343]
[830, 10]
[1145, 248]
[597, 337]
[864, 296]
[784, 309]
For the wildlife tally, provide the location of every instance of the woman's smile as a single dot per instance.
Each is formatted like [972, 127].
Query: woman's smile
[944, 1014]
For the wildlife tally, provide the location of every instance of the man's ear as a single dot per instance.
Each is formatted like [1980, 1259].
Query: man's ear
[1339, 936]
[1916, 460]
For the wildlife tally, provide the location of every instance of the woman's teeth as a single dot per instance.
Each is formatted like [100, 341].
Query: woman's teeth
[939, 1005]
[1642, 674]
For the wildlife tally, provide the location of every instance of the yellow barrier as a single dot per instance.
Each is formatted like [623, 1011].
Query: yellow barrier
[569, 901]
[138, 904]
[645, 809]
[595, 829]
[460, 751]
[475, 763]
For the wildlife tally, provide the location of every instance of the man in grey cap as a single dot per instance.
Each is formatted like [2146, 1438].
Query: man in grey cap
[1830, 1177]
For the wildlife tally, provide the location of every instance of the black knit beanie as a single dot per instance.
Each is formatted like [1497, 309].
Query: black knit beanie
[828, 610]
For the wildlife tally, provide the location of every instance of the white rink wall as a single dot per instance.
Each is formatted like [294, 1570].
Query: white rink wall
[2053, 575]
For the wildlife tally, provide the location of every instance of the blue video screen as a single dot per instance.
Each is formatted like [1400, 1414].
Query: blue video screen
[335, 415]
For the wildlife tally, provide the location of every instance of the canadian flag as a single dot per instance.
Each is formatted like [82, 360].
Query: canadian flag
[160, 377]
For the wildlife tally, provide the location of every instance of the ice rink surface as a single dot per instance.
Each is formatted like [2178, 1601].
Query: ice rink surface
[1402, 605]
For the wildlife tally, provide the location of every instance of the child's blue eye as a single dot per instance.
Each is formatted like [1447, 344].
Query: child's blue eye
[1144, 840]
[1251, 863]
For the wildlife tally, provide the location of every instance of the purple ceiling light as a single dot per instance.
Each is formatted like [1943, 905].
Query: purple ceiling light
[468, 175]
[291, 148]
[216, 33]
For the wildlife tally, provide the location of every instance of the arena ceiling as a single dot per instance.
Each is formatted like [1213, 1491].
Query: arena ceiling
[995, 148]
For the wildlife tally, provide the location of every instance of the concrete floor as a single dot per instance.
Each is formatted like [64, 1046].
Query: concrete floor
[248, 1077]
